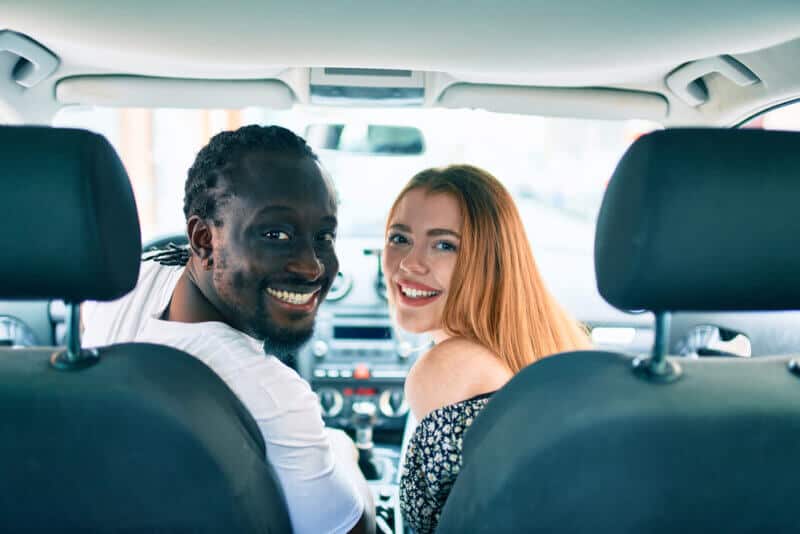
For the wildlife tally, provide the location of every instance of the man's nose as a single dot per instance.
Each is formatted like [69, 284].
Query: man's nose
[305, 263]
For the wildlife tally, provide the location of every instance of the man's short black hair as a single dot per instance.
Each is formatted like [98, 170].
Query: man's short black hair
[203, 189]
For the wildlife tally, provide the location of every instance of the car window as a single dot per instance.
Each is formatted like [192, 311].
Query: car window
[785, 117]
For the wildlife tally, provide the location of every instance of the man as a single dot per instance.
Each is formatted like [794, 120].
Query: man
[261, 223]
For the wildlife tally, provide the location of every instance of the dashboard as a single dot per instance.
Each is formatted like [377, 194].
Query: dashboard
[357, 355]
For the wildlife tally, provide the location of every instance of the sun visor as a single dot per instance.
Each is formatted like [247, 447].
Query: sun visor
[141, 91]
[589, 103]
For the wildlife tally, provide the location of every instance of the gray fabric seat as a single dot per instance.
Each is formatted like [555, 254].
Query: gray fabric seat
[694, 220]
[141, 437]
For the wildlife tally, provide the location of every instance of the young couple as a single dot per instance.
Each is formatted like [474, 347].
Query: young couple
[261, 222]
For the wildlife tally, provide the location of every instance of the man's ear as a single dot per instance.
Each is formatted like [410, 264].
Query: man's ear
[200, 240]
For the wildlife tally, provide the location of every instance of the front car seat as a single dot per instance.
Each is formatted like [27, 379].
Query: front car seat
[695, 220]
[131, 437]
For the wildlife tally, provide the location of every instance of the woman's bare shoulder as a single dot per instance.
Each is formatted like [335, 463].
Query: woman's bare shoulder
[453, 371]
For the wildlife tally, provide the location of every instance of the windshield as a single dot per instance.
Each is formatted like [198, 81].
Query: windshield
[555, 168]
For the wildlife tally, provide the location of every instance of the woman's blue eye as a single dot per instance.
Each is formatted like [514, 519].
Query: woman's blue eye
[276, 234]
[444, 245]
[397, 239]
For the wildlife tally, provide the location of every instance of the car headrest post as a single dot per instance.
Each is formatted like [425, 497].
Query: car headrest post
[657, 368]
[74, 357]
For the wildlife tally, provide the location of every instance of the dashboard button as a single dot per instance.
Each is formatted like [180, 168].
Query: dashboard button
[361, 372]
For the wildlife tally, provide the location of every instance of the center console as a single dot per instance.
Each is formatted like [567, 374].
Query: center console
[359, 358]
[357, 363]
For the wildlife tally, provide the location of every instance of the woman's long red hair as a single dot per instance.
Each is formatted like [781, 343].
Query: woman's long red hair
[497, 297]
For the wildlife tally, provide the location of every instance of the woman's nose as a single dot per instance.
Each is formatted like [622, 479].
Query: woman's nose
[414, 261]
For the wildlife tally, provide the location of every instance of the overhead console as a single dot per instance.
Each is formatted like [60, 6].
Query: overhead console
[354, 86]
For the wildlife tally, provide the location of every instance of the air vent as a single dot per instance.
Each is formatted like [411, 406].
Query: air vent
[340, 288]
[357, 86]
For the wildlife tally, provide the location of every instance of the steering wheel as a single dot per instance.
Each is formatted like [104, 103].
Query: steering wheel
[164, 240]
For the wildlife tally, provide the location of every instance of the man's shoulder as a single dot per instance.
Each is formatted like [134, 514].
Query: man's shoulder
[154, 285]
[152, 273]
[232, 353]
[121, 320]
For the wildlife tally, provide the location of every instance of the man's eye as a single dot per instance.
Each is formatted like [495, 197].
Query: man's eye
[276, 234]
[397, 239]
[328, 236]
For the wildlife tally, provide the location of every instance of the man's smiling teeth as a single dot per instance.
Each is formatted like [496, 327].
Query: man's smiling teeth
[417, 293]
[291, 298]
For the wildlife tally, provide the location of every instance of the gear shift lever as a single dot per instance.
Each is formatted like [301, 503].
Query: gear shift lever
[363, 419]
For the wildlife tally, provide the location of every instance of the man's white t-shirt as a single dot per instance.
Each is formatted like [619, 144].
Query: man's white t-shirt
[320, 495]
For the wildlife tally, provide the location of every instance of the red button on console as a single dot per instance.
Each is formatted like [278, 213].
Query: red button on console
[361, 372]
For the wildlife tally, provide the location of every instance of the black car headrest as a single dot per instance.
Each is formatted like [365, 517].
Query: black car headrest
[68, 222]
[702, 220]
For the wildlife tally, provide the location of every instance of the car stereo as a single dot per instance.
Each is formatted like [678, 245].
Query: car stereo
[360, 358]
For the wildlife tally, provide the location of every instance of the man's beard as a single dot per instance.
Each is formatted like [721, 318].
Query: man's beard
[284, 343]
[281, 342]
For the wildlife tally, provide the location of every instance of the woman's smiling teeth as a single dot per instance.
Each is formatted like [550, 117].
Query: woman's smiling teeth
[290, 297]
[417, 293]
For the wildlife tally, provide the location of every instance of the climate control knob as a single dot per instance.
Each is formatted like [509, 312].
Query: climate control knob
[319, 348]
[331, 401]
[392, 403]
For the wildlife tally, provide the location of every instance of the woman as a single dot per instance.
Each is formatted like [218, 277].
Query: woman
[459, 267]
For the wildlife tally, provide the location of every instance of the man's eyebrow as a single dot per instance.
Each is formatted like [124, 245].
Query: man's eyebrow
[328, 219]
[276, 207]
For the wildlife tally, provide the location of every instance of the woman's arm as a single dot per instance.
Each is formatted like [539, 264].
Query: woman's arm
[452, 371]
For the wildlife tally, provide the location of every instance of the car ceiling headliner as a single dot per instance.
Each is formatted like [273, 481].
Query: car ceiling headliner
[563, 43]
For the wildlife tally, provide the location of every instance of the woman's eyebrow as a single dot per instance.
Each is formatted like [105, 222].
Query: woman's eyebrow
[443, 231]
[433, 232]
